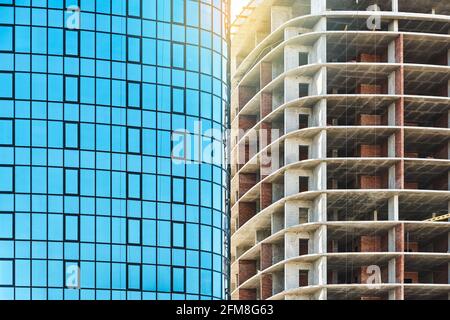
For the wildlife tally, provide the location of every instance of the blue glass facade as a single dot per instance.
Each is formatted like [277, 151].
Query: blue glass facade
[94, 202]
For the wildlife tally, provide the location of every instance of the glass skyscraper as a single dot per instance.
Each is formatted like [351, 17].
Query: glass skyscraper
[113, 181]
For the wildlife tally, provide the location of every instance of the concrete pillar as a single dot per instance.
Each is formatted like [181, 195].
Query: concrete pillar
[319, 146]
[291, 276]
[321, 25]
[391, 146]
[320, 267]
[318, 6]
[391, 52]
[391, 115]
[319, 51]
[321, 295]
[320, 177]
[319, 240]
[393, 208]
[320, 209]
[319, 114]
[391, 271]
[279, 15]
[394, 5]
[319, 83]
[391, 177]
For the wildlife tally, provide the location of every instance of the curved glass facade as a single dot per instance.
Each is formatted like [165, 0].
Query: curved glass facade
[112, 173]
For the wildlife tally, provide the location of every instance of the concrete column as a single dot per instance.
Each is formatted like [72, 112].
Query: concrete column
[319, 240]
[318, 6]
[319, 113]
[391, 115]
[320, 177]
[319, 146]
[279, 15]
[321, 25]
[319, 51]
[391, 271]
[393, 208]
[391, 177]
[394, 5]
[291, 276]
[319, 83]
[391, 146]
[320, 209]
[391, 52]
[320, 274]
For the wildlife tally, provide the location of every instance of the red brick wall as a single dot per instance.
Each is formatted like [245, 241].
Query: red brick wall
[368, 89]
[246, 122]
[370, 243]
[411, 185]
[400, 261]
[265, 134]
[266, 195]
[247, 294]
[266, 286]
[399, 49]
[247, 269]
[245, 94]
[414, 276]
[369, 120]
[266, 104]
[412, 246]
[365, 150]
[265, 73]
[246, 182]
[266, 255]
[384, 243]
[370, 182]
[246, 211]
[366, 57]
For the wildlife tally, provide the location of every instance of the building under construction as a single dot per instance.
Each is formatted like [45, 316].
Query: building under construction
[340, 150]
